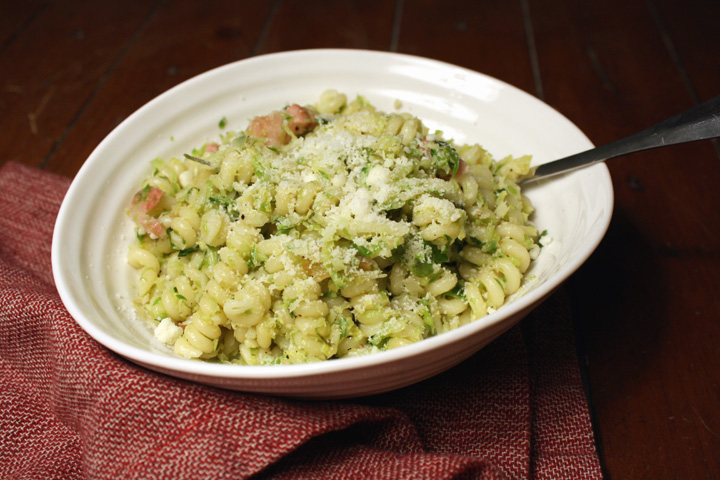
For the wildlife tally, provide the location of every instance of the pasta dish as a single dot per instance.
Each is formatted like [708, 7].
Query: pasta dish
[326, 231]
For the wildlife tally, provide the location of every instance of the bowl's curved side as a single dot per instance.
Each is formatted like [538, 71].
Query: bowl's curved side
[92, 232]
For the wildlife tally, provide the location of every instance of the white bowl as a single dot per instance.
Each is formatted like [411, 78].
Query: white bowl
[92, 231]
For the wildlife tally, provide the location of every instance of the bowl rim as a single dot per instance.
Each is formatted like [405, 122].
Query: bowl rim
[333, 366]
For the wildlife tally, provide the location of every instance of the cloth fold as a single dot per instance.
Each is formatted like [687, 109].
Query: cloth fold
[72, 409]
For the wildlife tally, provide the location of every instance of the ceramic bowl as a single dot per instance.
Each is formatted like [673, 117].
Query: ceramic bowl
[92, 232]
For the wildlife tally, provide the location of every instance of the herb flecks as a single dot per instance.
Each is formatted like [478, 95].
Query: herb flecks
[198, 159]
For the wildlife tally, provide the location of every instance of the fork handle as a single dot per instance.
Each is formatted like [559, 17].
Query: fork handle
[698, 123]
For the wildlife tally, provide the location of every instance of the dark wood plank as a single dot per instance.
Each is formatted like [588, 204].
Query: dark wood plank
[487, 37]
[647, 325]
[690, 29]
[339, 24]
[181, 40]
[53, 65]
[16, 16]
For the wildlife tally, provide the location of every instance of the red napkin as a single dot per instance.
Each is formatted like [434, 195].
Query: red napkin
[72, 409]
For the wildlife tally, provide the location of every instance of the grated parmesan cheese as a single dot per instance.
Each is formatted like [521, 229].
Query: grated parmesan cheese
[167, 332]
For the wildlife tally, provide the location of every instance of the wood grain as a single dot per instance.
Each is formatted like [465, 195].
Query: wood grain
[176, 41]
[647, 323]
[488, 37]
[339, 24]
[53, 66]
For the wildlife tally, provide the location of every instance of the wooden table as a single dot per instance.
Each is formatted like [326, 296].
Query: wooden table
[646, 304]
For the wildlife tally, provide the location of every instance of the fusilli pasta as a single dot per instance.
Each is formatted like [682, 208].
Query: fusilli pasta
[326, 231]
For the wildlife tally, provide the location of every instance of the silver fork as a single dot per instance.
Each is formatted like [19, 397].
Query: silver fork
[698, 123]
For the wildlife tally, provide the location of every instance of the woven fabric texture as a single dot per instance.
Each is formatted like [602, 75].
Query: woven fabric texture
[71, 409]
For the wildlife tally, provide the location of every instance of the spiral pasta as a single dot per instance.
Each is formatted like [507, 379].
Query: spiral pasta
[326, 231]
